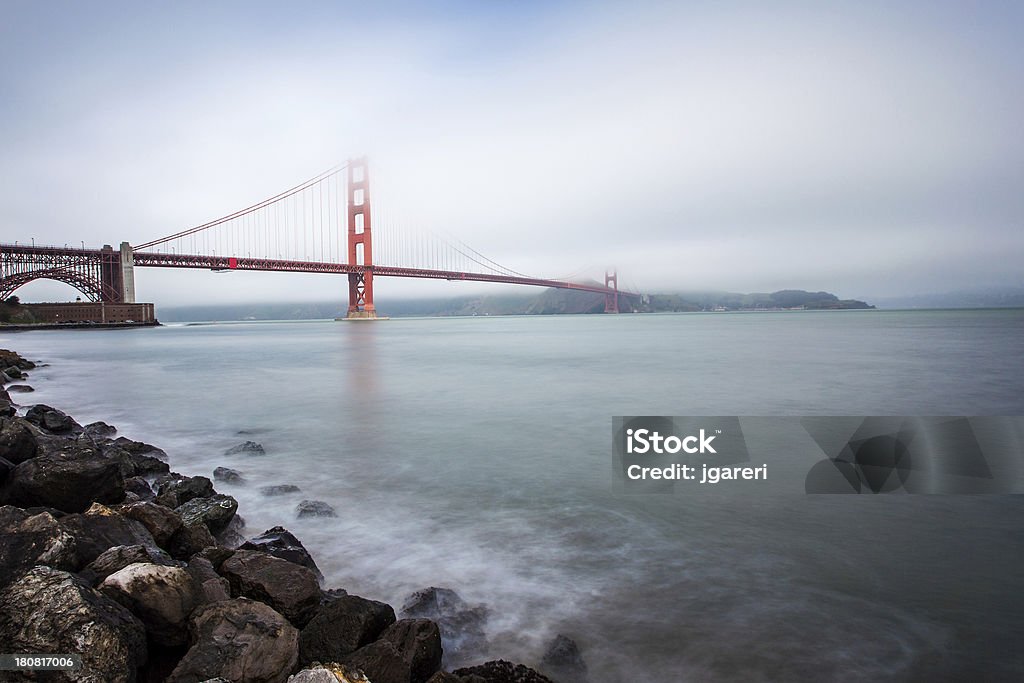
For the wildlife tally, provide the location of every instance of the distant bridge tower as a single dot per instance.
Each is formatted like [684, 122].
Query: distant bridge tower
[360, 241]
[611, 298]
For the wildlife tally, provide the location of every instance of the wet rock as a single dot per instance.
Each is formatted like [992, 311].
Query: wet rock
[248, 448]
[291, 589]
[418, 642]
[215, 511]
[238, 640]
[174, 490]
[462, 626]
[30, 539]
[445, 677]
[99, 430]
[139, 487]
[115, 559]
[381, 662]
[13, 372]
[20, 388]
[161, 522]
[7, 408]
[228, 475]
[329, 673]
[12, 358]
[161, 597]
[314, 508]
[279, 489]
[213, 586]
[232, 536]
[100, 528]
[66, 483]
[51, 419]
[140, 448]
[145, 464]
[189, 540]
[563, 661]
[17, 442]
[342, 626]
[280, 542]
[500, 671]
[50, 611]
[5, 467]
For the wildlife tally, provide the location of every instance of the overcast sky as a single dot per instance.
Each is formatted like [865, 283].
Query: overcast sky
[863, 148]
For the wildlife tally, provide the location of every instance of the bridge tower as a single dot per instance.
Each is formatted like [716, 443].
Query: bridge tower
[611, 299]
[360, 242]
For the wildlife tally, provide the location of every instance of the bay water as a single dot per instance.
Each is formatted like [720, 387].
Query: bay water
[475, 454]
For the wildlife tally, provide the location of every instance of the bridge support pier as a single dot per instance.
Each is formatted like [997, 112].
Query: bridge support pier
[360, 242]
[611, 299]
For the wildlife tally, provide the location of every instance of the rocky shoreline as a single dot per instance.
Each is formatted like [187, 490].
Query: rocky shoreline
[145, 573]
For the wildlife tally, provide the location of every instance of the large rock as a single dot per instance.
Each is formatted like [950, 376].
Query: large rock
[228, 475]
[381, 662]
[279, 490]
[239, 640]
[136, 489]
[500, 671]
[161, 522]
[563, 661]
[174, 490]
[100, 528]
[342, 626]
[280, 542]
[50, 611]
[52, 420]
[17, 442]
[161, 597]
[314, 508]
[418, 642]
[31, 539]
[248, 447]
[189, 540]
[291, 589]
[215, 512]
[113, 560]
[5, 468]
[330, 673]
[213, 586]
[9, 358]
[66, 483]
[99, 430]
[462, 625]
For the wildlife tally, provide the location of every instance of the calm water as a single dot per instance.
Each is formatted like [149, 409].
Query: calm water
[475, 454]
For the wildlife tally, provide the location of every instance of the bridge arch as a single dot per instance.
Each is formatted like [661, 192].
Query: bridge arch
[90, 287]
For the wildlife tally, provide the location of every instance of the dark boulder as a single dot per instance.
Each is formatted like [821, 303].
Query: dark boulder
[342, 626]
[232, 536]
[563, 661]
[462, 625]
[5, 467]
[189, 540]
[138, 487]
[174, 490]
[7, 408]
[117, 558]
[500, 671]
[445, 677]
[228, 475]
[381, 662]
[248, 448]
[13, 372]
[64, 482]
[314, 508]
[279, 489]
[99, 430]
[144, 464]
[100, 528]
[215, 511]
[31, 539]
[13, 358]
[418, 641]
[50, 611]
[280, 542]
[139, 447]
[20, 388]
[161, 522]
[291, 589]
[213, 586]
[238, 640]
[17, 442]
[52, 420]
[161, 597]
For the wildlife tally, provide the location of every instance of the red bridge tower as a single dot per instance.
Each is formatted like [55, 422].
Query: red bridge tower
[360, 242]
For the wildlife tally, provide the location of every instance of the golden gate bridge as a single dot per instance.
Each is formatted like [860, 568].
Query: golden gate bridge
[298, 230]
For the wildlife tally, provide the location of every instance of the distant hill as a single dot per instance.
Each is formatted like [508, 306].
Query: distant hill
[547, 302]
